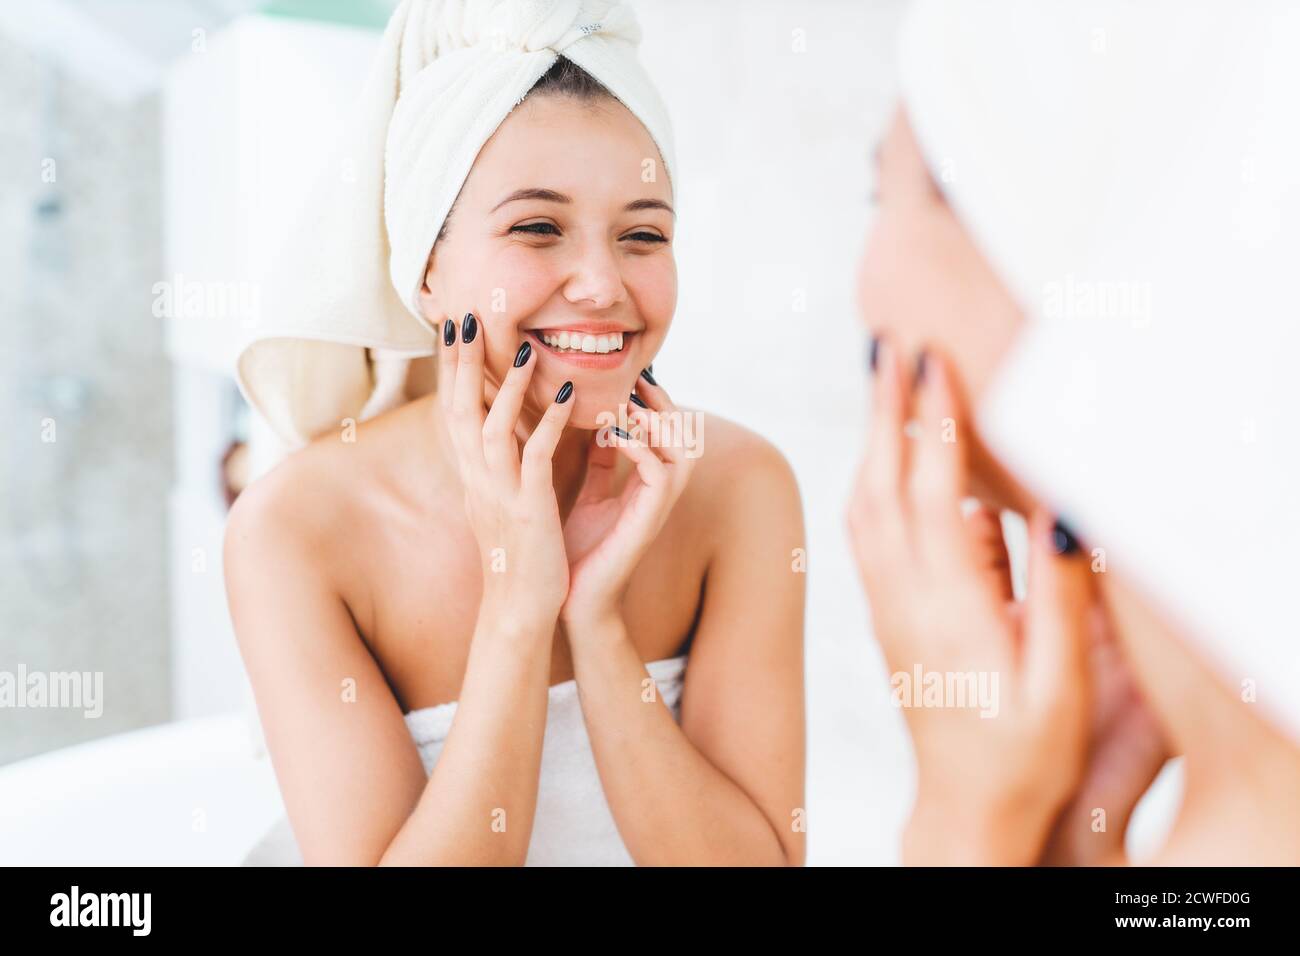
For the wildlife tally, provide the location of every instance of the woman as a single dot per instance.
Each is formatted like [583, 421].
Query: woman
[1078, 291]
[467, 622]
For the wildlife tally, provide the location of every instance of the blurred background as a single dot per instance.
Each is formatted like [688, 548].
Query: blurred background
[153, 153]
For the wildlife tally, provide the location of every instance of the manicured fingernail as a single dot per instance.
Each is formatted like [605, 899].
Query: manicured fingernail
[521, 356]
[620, 433]
[921, 361]
[563, 394]
[468, 328]
[873, 353]
[636, 400]
[448, 332]
[645, 374]
[1063, 539]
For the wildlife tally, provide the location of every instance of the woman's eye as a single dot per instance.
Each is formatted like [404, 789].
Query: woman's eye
[645, 237]
[537, 228]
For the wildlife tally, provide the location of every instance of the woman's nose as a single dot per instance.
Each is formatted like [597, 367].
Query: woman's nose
[595, 278]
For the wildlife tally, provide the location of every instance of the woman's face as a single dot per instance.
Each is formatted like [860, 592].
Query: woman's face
[558, 239]
[922, 283]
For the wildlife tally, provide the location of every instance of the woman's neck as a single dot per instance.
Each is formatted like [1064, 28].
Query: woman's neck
[569, 466]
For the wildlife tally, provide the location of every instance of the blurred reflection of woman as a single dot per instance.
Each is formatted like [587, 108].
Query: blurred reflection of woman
[467, 619]
[1079, 283]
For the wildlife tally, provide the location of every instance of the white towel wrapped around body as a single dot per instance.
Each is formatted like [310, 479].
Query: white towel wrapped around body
[344, 290]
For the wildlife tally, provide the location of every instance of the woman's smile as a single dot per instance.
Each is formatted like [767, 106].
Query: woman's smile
[586, 345]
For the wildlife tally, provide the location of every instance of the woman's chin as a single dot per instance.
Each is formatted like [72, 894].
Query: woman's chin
[596, 404]
[598, 411]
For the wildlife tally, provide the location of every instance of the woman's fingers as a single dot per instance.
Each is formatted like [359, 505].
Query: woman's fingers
[644, 502]
[875, 513]
[988, 547]
[1054, 661]
[657, 433]
[467, 397]
[936, 469]
[535, 472]
[661, 421]
[447, 356]
[654, 471]
[500, 450]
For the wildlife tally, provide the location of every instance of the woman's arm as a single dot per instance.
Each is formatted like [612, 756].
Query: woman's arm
[353, 784]
[1241, 773]
[727, 786]
[352, 780]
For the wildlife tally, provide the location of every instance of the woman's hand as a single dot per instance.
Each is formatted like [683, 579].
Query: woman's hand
[608, 532]
[993, 774]
[509, 498]
[1126, 748]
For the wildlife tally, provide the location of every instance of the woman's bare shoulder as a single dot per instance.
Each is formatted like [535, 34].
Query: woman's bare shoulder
[738, 472]
[295, 496]
[728, 451]
[296, 510]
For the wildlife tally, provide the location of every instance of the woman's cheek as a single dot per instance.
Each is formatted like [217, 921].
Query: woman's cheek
[652, 284]
[519, 282]
[902, 287]
[866, 285]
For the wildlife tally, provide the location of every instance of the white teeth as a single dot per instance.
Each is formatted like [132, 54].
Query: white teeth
[579, 342]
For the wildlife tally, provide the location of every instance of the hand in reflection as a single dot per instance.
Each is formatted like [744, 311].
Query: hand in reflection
[990, 787]
[1126, 748]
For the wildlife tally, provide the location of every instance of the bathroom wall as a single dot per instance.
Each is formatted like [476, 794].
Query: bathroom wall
[85, 459]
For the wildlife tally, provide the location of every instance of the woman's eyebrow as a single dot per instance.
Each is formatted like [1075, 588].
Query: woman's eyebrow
[546, 195]
[550, 195]
[638, 204]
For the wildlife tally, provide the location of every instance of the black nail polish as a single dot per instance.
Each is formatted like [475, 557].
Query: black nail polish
[620, 433]
[920, 369]
[645, 374]
[448, 332]
[873, 353]
[636, 400]
[521, 357]
[468, 328]
[1063, 540]
[563, 394]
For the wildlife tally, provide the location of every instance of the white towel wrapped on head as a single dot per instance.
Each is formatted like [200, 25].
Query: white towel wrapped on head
[447, 74]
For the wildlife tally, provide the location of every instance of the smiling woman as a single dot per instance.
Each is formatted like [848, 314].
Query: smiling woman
[555, 232]
[468, 622]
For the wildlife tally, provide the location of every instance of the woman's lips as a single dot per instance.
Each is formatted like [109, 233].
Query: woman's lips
[585, 359]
